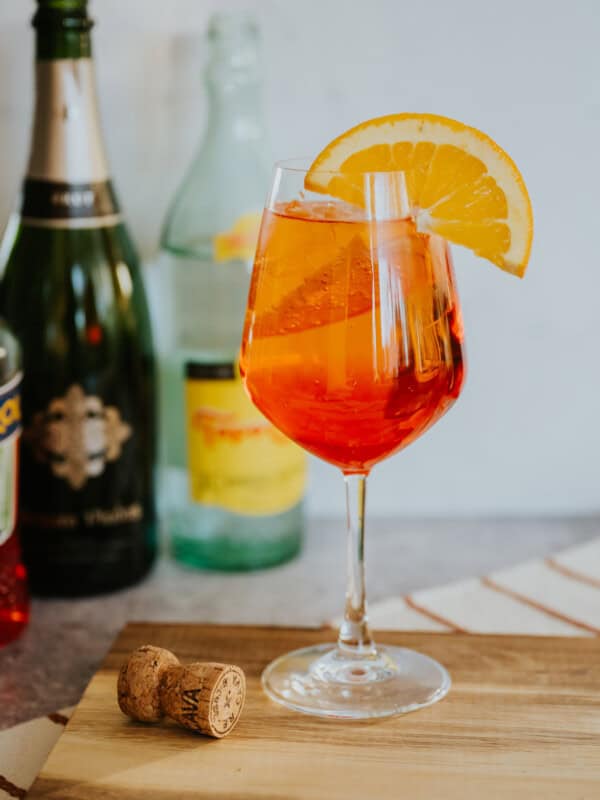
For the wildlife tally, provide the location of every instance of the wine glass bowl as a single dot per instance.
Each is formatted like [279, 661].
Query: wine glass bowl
[352, 347]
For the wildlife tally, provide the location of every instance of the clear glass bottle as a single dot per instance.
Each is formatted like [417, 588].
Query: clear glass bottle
[14, 599]
[232, 486]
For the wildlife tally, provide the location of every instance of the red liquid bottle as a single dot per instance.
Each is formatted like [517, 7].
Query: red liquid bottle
[14, 599]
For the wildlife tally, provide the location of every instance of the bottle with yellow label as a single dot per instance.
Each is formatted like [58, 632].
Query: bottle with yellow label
[232, 485]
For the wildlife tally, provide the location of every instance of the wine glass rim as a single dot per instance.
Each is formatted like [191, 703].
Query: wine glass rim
[302, 166]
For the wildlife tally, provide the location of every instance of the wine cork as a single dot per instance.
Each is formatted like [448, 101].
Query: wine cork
[205, 697]
[138, 686]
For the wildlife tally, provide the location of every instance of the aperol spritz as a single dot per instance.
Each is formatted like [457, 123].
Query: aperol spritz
[353, 345]
[353, 339]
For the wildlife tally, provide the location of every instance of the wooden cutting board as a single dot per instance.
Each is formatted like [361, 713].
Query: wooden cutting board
[522, 721]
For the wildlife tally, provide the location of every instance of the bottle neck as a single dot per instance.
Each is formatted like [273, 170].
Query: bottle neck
[67, 183]
[67, 144]
[232, 80]
[234, 113]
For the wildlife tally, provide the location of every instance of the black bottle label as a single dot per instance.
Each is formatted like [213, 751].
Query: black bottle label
[61, 204]
[77, 437]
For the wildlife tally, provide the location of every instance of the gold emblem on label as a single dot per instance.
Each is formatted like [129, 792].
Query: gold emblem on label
[77, 435]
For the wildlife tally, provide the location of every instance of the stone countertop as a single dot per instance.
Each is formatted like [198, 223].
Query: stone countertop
[49, 667]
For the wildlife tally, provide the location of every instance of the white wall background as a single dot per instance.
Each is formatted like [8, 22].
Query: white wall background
[525, 435]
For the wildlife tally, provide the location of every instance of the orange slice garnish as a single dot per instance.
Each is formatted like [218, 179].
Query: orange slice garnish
[460, 183]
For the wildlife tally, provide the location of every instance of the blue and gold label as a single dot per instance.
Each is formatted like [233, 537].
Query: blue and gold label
[10, 429]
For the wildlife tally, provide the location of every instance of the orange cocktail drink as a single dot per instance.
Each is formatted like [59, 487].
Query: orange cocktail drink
[356, 334]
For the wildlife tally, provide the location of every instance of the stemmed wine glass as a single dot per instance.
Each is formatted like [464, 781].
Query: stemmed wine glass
[352, 348]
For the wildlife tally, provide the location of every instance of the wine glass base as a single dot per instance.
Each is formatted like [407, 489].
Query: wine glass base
[328, 682]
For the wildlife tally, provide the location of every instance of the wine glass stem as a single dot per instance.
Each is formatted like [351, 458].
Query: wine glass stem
[355, 637]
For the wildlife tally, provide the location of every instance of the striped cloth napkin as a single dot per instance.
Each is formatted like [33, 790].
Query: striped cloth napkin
[559, 596]
[24, 750]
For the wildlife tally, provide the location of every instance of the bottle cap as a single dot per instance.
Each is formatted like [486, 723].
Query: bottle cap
[67, 14]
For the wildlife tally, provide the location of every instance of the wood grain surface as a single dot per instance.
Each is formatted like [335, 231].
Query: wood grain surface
[522, 721]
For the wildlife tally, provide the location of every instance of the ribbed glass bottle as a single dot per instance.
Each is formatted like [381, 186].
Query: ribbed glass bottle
[232, 485]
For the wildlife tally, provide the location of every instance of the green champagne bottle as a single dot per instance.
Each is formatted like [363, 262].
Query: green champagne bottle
[72, 293]
[232, 485]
